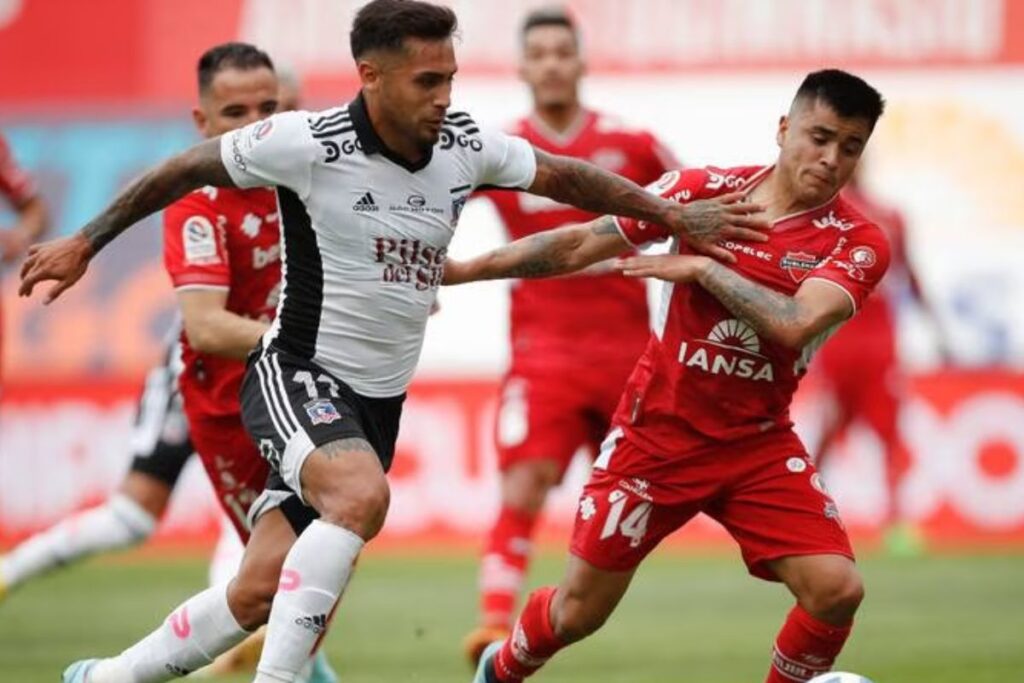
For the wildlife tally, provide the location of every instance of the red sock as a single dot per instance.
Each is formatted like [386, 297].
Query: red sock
[503, 569]
[805, 647]
[533, 641]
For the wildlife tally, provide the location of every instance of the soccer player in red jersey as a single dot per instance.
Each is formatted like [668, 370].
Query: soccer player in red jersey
[703, 424]
[566, 371]
[20, 191]
[860, 368]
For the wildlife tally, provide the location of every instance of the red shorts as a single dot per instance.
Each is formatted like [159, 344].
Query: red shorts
[763, 490]
[548, 414]
[233, 464]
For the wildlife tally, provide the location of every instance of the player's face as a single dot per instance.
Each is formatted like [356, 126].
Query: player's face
[819, 150]
[415, 88]
[235, 98]
[552, 66]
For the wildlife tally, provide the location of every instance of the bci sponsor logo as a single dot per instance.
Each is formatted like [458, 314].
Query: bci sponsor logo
[409, 261]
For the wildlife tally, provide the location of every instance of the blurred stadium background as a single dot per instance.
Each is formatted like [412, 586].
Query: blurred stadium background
[93, 92]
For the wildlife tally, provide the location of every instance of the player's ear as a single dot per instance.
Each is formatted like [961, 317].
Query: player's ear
[780, 136]
[199, 118]
[369, 73]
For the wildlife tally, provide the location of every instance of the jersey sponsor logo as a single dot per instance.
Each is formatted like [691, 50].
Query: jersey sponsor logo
[863, 257]
[450, 138]
[200, 240]
[236, 153]
[798, 264]
[366, 203]
[251, 225]
[732, 349]
[415, 203]
[335, 150]
[832, 221]
[409, 261]
[747, 250]
[716, 181]
[321, 411]
[261, 258]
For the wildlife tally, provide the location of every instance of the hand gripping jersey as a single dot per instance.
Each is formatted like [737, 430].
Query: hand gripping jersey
[569, 317]
[708, 374]
[228, 239]
[365, 233]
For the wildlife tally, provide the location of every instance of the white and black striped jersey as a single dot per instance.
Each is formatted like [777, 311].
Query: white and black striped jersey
[364, 233]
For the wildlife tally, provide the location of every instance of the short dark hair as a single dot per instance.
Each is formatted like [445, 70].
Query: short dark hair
[848, 95]
[230, 56]
[549, 16]
[385, 24]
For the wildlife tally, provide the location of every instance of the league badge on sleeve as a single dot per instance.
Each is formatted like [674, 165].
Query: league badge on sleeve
[321, 412]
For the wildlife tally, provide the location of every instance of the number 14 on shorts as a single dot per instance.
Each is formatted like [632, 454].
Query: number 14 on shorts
[631, 525]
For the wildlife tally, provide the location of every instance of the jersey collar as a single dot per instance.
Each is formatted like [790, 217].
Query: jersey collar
[371, 142]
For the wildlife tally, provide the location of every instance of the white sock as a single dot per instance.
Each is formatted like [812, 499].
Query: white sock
[313, 578]
[227, 556]
[189, 639]
[119, 523]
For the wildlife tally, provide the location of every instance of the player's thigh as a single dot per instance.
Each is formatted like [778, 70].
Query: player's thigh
[344, 481]
[233, 465]
[777, 506]
[540, 418]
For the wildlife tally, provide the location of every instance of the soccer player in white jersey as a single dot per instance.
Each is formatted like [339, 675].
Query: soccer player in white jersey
[370, 194]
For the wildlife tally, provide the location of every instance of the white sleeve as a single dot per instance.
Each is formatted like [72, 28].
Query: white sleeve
[506, 161]
[279, 150]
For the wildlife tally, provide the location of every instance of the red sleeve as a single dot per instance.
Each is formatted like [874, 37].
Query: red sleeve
[677, 186]
[195, 249]
[857, 264]
[15, 184]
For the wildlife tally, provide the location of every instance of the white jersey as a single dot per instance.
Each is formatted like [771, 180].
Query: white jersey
[364, 234]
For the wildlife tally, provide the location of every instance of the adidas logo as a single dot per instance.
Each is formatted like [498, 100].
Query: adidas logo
[366, 203]
[317, 623]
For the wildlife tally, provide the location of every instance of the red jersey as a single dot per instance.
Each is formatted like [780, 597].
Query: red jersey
[218, 238]
[15, 185]
[707, 374]
[568, 316]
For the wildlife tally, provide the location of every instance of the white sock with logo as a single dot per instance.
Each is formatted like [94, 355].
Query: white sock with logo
[119, 523]
[313, 578]
[190, 638]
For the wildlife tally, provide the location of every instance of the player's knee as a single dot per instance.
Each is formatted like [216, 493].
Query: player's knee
[360, 508]
[250, 597]
[836, 598]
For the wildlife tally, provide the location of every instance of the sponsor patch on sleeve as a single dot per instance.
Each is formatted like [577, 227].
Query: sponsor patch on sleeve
[200, 240]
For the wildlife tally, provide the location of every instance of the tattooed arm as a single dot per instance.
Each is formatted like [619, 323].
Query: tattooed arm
[65, 260]
[792, 321]
[702, 223]
[544, 254]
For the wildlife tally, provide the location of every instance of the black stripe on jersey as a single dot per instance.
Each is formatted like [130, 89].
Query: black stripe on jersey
[324, 121]
[460, 124]
[303, 274]
[460, 188]
[330, 132]
[457, 116]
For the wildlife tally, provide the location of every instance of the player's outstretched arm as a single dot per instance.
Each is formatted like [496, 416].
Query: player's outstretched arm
[65, 260]
[553, 252]
[793, 321]
[213, 329]
[703, 223]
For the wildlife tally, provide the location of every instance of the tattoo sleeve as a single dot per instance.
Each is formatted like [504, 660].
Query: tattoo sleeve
[583, 185]
[767, 310]
[199, 166]
[338, 448]
[553, 252]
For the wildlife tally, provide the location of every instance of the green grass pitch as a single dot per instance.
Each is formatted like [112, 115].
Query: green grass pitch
[699, 619]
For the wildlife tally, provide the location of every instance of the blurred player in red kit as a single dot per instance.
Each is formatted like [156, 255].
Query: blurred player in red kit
[19, 190]
[703, 424]
[566, 370]
[860, 367]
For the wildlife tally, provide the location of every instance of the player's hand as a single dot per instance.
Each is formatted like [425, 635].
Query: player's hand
[62, 260]
[668, 267]
[705, 222]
